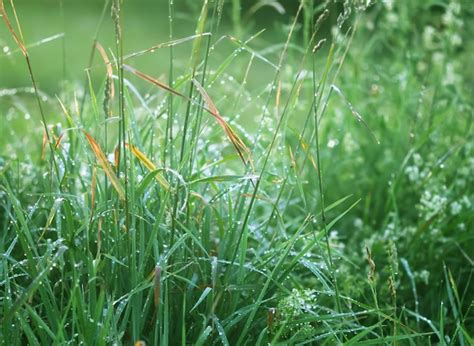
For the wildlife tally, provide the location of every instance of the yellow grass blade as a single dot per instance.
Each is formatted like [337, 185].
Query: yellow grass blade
[148, 164]
[58, 141]
[106, 166]
[103, 54]
[108, 66]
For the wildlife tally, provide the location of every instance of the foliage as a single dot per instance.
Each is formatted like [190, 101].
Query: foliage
[311, 183]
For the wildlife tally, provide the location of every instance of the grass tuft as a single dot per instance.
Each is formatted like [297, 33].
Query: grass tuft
[284, 173]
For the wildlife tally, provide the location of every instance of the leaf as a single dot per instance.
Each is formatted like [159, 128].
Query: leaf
[204, 294]
[199, 30]
[146, 182]
[218, 178]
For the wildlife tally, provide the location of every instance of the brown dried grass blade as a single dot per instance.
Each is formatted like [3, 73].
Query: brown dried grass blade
[58, 141]
[17, 39]
[239, 145]
[106, 166]
[153, 81]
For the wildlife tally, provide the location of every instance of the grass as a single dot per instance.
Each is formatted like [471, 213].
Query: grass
[307, 184]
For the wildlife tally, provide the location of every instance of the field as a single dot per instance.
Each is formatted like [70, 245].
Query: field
[237, 172]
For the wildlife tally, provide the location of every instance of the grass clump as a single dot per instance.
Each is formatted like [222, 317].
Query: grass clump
[291, 309]
[306, 184]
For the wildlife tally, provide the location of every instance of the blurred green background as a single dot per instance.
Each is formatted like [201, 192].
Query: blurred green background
[60, 34]
[145, 24]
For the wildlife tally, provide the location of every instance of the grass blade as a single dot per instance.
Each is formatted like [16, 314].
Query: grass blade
[104, 163]
[148, 164]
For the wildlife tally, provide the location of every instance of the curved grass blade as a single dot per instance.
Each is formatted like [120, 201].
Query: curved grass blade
[146, 181]
[239, 145]
[355, 113]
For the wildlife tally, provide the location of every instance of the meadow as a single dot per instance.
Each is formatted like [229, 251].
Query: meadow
[237, 172]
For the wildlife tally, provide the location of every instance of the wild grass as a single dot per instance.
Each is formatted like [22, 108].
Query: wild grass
[311, 185]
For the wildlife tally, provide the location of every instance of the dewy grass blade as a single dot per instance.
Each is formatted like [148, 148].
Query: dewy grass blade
[199, 31]
[168, 147]
[34, 284]
[316, 104]
[93, 194]
[355, 113]
[36, 44]
[168, 44]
